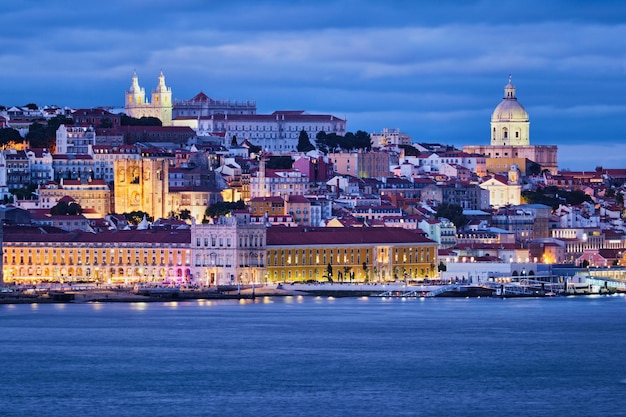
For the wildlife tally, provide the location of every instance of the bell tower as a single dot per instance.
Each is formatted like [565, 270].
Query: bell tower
[135, 98]
[162, 101]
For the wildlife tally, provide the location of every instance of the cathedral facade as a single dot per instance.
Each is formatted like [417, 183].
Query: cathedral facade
[510, 137]
[142, 185]
[160, 107]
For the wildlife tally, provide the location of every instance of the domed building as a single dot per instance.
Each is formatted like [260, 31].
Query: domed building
[510, 139]
[509, 121]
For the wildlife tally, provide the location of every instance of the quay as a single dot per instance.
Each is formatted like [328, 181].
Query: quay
[96, 294]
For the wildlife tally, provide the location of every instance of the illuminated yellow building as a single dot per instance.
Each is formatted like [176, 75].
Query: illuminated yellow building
[142, 185]
[348, 254]
[231, 251]
[90, 194]
[32, 254]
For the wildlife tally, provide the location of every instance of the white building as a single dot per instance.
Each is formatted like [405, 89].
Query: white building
[504, 191]
[104, 158]
[433, 162]
[277, 132]
[229, 252]
[75, 140]
[40, 164]
[278, 183]
[390, 137]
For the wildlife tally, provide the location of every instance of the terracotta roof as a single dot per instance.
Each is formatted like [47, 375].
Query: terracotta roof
[51, 235]
[342, 236]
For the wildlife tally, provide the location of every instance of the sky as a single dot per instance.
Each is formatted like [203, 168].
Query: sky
[433, 69]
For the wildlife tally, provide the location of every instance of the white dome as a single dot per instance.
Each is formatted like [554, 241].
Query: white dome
[509, 110]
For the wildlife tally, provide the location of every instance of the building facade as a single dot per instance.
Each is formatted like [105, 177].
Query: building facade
[277, 132]
[229, 251]
[136, 105]
[75, 140]
[348, 254]
[202, 105]
[142, 185]
[39, 254]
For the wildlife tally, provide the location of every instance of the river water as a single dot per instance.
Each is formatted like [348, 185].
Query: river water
[308, 356]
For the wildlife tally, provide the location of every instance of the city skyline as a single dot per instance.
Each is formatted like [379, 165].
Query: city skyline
[435, 72]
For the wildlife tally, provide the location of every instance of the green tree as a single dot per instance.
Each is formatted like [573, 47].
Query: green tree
[409, 150]
[135, 217]
[9, 135]
[62, 208]
[329, 272]
[362, 140]
[25, 193]
[144, 121]
[223, 208]
[184, 214]
[452, 212]
[533, 169]
[44, 136]
[304, 143]
[320, 139]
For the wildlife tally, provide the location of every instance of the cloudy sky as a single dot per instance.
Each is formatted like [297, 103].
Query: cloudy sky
[434, 69]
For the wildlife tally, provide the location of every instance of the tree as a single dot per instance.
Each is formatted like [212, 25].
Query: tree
[304, 143]
[144, 121]
[346, 271]
[184, 214]
[553, 197]
[362, 140]
[9, 135]
[329, 272]
[223, 208]
[442, 267]
[409, 150]
[62, 208]
[320, 139]
[31, 106]
[619, 199]
[452, 212]
[533, 169]
[135, 217]
[44, 136]
[233, 141]
[24, 193]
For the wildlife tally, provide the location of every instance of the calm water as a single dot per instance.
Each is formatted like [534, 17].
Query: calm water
[316, 357]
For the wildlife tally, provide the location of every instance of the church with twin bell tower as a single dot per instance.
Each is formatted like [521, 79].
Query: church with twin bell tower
[137, 106]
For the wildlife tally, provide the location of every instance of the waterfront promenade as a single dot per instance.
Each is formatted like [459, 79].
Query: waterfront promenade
[58, 293]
